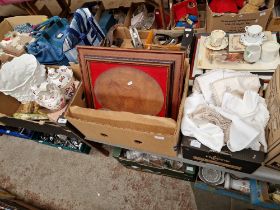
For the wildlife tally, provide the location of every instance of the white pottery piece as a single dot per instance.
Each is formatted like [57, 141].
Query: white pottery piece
[270, 51]
[19, 75]
[223, 45]
[49, 96]
[241, 185]
[63, 79]
[252, 53]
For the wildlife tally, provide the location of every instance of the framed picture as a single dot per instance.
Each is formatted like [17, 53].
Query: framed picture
[133, 81]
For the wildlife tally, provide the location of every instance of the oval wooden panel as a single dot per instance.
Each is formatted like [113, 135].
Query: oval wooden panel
[129, 89]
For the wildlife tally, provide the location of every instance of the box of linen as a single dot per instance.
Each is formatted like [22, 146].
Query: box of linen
[224, 121]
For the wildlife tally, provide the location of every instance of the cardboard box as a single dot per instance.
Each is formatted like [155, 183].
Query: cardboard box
[272, 97]
[273, 158]
[123, 33]
[8, 24]
[201, 18]
[274, 22]
[113, 4]
[246, 160]
[150, 7]
[145, 133]
[230, 22]
[188, 175]
[9, 105]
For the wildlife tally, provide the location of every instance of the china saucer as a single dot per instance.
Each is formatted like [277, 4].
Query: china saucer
[246, 43]
[208, 45]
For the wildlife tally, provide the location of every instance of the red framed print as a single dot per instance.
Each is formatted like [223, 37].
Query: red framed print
[125, 80]
[137, 88]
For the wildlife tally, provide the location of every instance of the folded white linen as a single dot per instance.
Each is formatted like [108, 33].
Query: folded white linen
[207, 79]
[250, 112]
[207, 133]
[236, 85]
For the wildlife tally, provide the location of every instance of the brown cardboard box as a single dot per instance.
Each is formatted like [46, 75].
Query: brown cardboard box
[9, 105]
[8, 24]
[127, 130]
[274, 22]
[123, 33]
[272, 97]
[113, 4]
[273, 158]
[237, 22]
[201, 17]
[133, 7]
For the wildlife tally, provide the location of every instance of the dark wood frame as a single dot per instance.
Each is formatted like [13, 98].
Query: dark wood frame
[86, 54]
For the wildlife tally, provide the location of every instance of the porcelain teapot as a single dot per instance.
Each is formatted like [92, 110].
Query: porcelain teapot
[63, 79]
[49, 96]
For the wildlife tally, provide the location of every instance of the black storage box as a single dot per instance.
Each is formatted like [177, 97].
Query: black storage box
[246, 161]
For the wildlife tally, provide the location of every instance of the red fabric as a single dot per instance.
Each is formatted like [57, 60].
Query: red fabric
[224, 6]
[240, 3]
[183, 8]
[159, 73]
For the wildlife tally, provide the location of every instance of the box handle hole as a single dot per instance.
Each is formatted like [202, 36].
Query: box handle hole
[138, 142]
[104, 134]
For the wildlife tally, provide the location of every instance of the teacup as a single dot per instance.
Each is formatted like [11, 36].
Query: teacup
[217, 37]
[270, 51]
[252, 53]
[254, 33]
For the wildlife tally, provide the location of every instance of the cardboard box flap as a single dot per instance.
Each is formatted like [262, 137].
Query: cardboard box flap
[33, 19]
[8, 24]
[8, 105]
[231, 22]
[125, 120]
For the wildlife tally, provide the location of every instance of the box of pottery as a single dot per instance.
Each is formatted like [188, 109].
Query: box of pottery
[8, 24]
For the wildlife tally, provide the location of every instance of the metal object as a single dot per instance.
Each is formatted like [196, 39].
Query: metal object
[136, 41]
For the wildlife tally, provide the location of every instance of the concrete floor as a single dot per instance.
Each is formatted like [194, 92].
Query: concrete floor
[58, 179]
[50, 178]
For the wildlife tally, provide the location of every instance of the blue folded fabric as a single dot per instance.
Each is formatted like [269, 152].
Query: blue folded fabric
[83, 30]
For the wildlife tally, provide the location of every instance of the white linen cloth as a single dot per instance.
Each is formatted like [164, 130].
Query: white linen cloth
[207, 133]
[249, 117]
[245, 108]
[236, 85]
[207, 79]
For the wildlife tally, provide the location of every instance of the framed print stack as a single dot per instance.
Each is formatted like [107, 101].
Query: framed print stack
[137, 81]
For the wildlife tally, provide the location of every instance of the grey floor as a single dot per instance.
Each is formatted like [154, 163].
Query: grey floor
[57, 179]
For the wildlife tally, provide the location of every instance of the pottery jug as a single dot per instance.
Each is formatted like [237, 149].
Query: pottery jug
[63, 79]
[49, 96]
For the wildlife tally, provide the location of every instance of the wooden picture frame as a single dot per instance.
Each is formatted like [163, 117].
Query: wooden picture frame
[172, 60]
